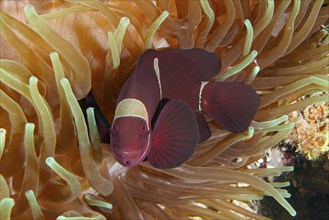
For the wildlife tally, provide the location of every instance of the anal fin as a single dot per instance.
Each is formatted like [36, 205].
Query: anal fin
[204, 130]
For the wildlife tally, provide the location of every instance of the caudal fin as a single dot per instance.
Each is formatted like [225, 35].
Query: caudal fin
[231, 104]
[174, 137]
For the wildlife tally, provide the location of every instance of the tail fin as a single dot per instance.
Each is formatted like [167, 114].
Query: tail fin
[231, 104]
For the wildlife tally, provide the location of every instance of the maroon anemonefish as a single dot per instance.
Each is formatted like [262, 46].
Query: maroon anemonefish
[158, 115]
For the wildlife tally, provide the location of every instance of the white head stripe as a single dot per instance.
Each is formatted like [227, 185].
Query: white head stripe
[131, 107]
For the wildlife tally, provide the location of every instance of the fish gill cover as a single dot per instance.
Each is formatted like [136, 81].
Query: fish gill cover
[54, 52]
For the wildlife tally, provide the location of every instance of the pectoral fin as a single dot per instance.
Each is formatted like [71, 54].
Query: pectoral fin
[175, 136]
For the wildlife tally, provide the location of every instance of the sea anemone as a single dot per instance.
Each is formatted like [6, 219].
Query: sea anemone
[54, 52]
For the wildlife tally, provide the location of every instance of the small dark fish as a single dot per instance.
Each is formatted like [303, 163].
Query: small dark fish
[103, 126]
[180, 76]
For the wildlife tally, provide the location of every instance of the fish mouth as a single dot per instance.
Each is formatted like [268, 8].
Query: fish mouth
[130, 154]
[129, 159]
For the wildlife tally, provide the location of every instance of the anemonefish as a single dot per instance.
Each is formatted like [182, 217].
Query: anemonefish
[180, 76]
[159, 111]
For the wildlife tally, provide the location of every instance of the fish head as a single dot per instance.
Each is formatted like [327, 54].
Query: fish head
[130, 140]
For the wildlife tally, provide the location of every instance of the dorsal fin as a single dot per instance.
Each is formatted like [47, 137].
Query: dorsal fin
[192, 64]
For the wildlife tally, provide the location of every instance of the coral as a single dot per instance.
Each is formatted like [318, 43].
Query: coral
[310, 133]
[53, 52]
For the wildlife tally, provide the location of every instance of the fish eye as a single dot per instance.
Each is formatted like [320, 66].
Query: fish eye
[143, 128]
